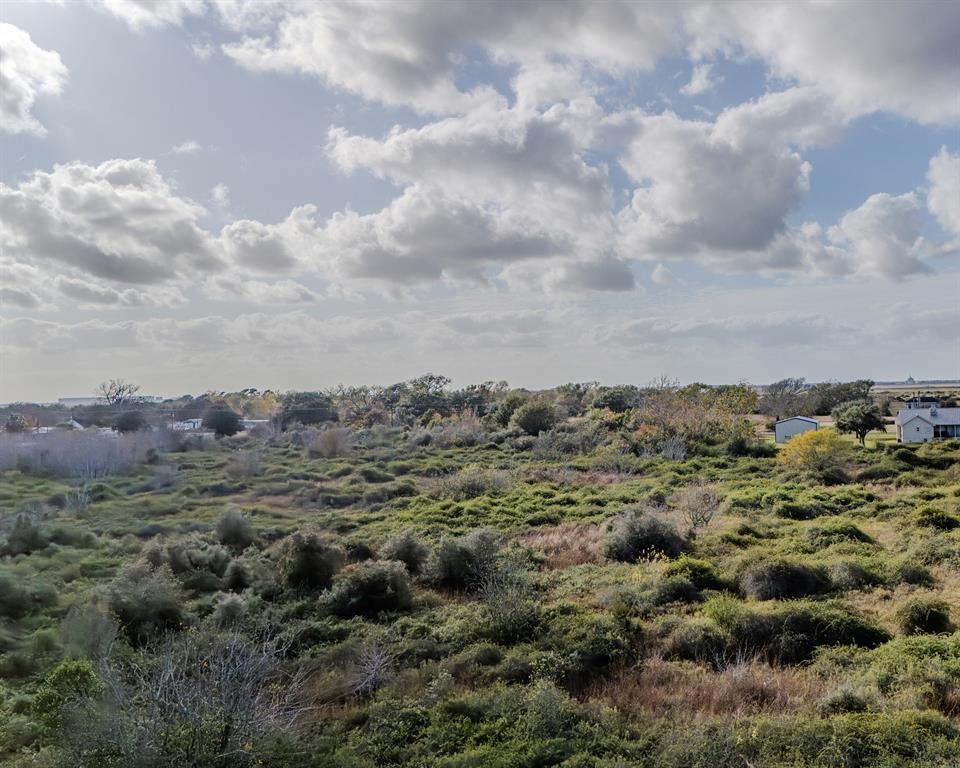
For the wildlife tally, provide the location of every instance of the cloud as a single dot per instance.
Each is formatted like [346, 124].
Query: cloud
[425, 235]
[700, 80]
[25, 71]
[272, 248]
[898, 57]
[662, 275]
[883, 236]
[96, 295]
[118, 221]
[407, 53]
[943, 195]
[260, 292]
[220, 195]
[148, 14]
[189, 147]
[775, 330]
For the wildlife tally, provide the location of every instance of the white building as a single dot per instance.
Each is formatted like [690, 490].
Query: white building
[922, 422]
[187, 425]
[795, 425]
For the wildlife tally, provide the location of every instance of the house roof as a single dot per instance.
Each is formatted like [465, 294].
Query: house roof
[936, 416]
[798, 418]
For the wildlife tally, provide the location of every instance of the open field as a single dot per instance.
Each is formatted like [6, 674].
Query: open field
[453, 596]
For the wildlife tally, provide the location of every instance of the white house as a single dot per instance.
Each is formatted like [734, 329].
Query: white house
[921, 423]
[795, 425]
[187, 425]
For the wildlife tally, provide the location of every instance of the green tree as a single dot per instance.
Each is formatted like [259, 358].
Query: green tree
[222, 421]
[306, 408]
[858, 417]
[535, 417]
[130, 421]
[16, 423]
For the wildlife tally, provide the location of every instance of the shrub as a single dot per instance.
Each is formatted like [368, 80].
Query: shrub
[237, 577]
[369, 588]
[15, 424]
[675, 589]
[700, 572]
[473, 481]
[698, 504]
[779, 578]
[695, 640]
[130, 421]
[634, 534]
[229, 611]
[508, 406]
[535, 416]
[924, 616]
[820, 451]
[931, 516]
[146, 602]
[330, 443]
[462, 563]
[834, 532]
[25, 537]
[307, 561]
[222, 421]
[790, 632]
[511, 612]
[68, 684]
[18, 599]
[408, 549]
[235, 530]
[244, 464]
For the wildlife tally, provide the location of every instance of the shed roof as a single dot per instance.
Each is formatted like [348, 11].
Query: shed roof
[798, 418]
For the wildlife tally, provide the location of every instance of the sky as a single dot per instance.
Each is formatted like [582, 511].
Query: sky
[218, 194]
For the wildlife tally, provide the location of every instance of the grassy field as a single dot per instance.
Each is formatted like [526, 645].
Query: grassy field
[443, 598]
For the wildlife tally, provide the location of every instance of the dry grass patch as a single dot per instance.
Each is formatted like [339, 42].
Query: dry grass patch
[687, 691]
[566, 545]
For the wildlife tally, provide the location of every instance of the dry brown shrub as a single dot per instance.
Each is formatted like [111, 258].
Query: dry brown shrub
[566, 545]
[688, 691]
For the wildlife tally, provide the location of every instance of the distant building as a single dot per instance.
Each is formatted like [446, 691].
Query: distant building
[784, 429]
[73, 402]
[187, 425]
[921, 422]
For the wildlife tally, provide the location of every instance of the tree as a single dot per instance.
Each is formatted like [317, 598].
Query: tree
[222, 421]
[535, 417]
[858, 417]
[617, 399]
[306, 408]
[16, 423]
[783, 398]
[820, 451]
[118, 392]
[130, 421]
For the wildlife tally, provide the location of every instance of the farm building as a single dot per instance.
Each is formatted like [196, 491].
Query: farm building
[921, 423]
[787, 428]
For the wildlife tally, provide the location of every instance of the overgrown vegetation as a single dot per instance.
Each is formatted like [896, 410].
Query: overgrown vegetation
[414, 576]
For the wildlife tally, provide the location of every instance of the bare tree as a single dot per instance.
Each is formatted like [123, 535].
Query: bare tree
[118, 392]
[698, 504]
[197, 700]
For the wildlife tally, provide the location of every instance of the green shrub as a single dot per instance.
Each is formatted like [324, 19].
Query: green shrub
[635, 534]
[675, 589]
[473, 481]
[461, 563]
[934, 517]
[146, 602]
[222, 421]
[692, 639]
[779, 578]
[535, 416]
[67, 684]
[408, 549]
[367, 589]
[834, 532]
[700, 572]
[235, 530]
[130, 421]
[307, 561]
[924, 616]
[25, 537]
[18, 599]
